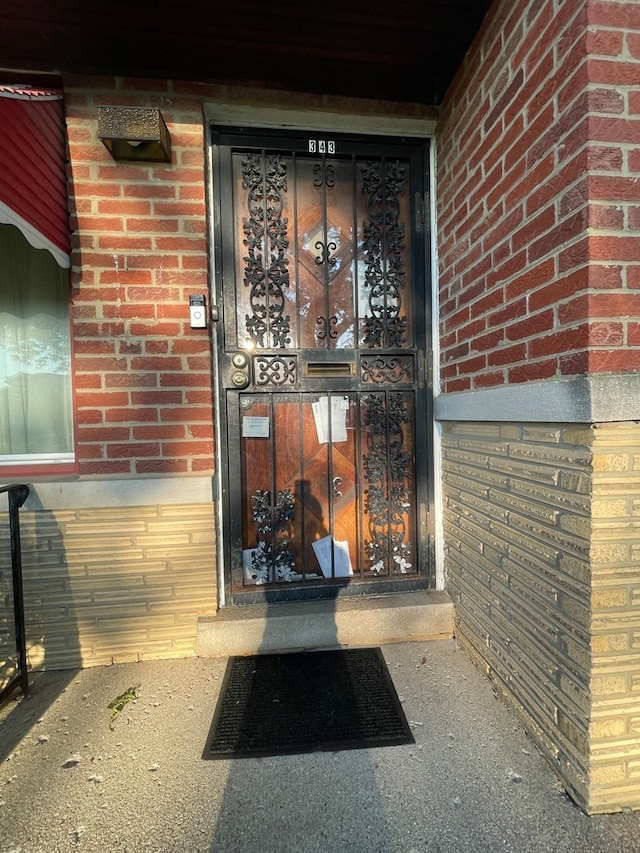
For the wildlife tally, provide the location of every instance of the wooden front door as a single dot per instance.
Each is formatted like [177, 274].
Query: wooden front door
[320, 262]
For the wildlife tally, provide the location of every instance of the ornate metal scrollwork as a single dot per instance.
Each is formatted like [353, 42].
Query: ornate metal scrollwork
[387, 469]
[324, 327]
[325, 250]
[384, 182]
[265, 230]
[387, 369]
[273, 558]
[324, 175]
[275, 370]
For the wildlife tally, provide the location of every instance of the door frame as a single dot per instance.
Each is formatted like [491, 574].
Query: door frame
[285, 119]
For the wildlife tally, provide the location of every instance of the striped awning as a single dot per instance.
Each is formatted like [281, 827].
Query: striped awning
[33, 182]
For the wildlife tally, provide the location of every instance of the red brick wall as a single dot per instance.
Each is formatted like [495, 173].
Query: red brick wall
[142, 375]
[538, 176]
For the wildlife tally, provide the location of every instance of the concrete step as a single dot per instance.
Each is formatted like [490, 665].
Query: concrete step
[366, 621]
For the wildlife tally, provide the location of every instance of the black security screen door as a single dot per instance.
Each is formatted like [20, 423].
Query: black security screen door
[320, 274]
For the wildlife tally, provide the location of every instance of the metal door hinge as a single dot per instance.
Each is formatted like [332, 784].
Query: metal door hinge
[425, 369]
[427, 210]
[419, 212]
[422, 211]
[421, 368]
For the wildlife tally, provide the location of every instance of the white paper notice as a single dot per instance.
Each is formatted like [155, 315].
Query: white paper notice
[260, 573]
[339, 409]
[250, 573]
[255, 427]
[341, 560]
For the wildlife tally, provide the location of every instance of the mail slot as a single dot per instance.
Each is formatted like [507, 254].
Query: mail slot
[320, 369]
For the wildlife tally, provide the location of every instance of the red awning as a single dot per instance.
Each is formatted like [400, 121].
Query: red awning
[33, 183]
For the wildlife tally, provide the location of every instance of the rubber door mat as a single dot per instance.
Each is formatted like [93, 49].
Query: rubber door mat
[276, 704]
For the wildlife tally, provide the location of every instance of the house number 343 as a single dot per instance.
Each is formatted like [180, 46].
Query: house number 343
[322, 146]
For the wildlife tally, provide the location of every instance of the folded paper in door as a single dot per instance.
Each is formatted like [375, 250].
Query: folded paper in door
[337, 429]
[341, 560]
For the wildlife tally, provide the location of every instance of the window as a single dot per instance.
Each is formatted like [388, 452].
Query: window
[36, 412]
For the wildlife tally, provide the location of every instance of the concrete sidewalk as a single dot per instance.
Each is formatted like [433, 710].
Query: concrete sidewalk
[472, 782]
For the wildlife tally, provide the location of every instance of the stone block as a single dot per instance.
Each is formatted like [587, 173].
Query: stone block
[346, 622]
[609, 598]
[608, 729]
[612, 462]
[608, 685]
[607, 643]
[608, 774]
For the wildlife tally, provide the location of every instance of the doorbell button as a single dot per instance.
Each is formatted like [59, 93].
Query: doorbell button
[239, 360]
[239, 379]
[197, 311]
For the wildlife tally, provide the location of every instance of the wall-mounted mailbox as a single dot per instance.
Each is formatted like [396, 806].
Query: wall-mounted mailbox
[328, 369]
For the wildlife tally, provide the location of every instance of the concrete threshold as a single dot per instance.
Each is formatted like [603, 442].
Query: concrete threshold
[290, 626]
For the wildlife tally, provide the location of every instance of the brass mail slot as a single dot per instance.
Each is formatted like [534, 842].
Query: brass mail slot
[318, 369]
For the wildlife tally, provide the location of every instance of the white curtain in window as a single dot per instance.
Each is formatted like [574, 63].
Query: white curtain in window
[35, 363]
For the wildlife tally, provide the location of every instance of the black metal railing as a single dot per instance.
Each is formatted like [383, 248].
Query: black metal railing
[17, 494]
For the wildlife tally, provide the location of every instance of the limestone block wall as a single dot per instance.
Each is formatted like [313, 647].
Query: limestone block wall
[114, 584]
[517, 559]
[615, 562]
[542, 549]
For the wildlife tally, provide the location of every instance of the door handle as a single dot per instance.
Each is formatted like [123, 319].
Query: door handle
[337, 481]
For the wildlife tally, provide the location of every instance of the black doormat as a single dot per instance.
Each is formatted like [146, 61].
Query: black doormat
[277, 704]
